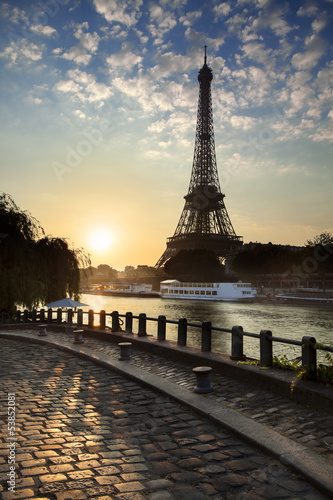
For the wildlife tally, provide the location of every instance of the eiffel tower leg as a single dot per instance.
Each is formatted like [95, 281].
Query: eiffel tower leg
[169, 252]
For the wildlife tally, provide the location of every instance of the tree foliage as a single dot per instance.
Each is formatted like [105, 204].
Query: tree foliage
[195, 265]
[34, 269]
[264, 259]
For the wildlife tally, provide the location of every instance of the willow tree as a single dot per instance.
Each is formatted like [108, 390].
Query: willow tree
[34, 268]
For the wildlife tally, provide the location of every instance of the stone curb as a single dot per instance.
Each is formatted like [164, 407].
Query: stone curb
[315, 469]
[281, 382]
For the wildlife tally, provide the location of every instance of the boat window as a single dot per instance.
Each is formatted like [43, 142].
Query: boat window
[186, 292]
[208, 293]
[170, 291]
[191, 292]
[214, 293]
[180, 291]
[197, 292]
[176, 291]
[202, 292]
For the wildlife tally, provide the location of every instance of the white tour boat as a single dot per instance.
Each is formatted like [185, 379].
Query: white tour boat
[240, 292]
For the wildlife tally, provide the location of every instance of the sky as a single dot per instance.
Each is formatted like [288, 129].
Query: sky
[98, 114]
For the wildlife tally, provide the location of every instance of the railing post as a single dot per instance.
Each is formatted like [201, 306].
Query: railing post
[142, 325]
[237, 343]
[114, 321]
[309, 355]
[161, 326]
[69, 316]
[182, 331]
[79, 317]
[49, 315]
[102, 320]
[25, 316]
[206, 336]
[18, 316]
[266, 348]
[129, 323]
[59, 315]
[91, 318]
[42, 316]
[34, 316]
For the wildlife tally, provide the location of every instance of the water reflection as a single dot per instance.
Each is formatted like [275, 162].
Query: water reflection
[287, 321]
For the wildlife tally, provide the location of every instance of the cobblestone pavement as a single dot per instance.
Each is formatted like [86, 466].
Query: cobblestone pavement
[85, 432]
[313, 429]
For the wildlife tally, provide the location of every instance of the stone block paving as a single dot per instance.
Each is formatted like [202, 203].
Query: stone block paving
[313, 429]
[85, 432]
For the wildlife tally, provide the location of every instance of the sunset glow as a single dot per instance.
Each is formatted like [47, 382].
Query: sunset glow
[101, 240]
[99, 107]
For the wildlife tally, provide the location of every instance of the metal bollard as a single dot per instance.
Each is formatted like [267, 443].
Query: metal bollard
[102, 320]
[309, 355]
[59, 315]
[203, 380]
[114, 321]
[142, 325]
[42, 330]
[266, 348]
[182, 331]
[79, 317]
[125, 351]
[70, 316]
[78, 337]
[129, 323]
[206, 337]
[49, 315]
[42, 316]
[161, 326]
[237, 345]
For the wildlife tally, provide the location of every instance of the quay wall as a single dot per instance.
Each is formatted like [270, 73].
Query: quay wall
[278, 381]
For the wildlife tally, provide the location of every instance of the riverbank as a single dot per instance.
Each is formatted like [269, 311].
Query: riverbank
[298, 437]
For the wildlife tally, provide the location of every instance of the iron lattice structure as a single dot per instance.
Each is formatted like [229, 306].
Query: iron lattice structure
[204, 222]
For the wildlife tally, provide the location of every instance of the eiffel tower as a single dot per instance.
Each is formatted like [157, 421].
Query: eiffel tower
[204, 222]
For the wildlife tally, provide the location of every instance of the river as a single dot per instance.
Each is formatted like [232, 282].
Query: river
[286, 321]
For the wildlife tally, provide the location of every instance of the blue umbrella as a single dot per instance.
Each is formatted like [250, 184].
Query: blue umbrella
[65, 303]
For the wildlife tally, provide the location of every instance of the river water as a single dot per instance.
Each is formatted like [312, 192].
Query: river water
[285, 321]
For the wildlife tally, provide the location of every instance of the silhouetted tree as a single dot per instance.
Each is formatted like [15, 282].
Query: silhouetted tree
[34, 269]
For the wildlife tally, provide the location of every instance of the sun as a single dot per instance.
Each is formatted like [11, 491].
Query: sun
[101, 239]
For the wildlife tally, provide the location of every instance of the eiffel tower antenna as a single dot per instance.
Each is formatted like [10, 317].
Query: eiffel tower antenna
[204, 222]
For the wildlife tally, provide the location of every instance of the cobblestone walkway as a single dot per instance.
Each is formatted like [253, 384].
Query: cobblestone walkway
[311, 428]
[85, 432]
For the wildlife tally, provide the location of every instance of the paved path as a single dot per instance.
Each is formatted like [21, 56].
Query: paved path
[85, 432]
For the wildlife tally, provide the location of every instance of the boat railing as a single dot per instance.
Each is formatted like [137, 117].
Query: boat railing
[114, 322]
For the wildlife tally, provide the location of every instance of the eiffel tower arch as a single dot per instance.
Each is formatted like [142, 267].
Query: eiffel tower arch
[204, 222]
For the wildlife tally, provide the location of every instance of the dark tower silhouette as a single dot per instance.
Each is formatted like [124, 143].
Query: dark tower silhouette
[204, 222]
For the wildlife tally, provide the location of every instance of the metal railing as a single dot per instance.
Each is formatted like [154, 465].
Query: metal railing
[308, 344]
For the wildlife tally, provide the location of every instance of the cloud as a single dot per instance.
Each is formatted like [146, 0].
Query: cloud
[88, 45]
[309, 58]
[271, 16]
[39, 29]
[170, 63]
[83, 87]
[221, 10]
[242, 122]
[257, 52]
[161, 22]
[126, 12]
[190, 18]
[124, 60]
[309, 9]
[23, 52]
